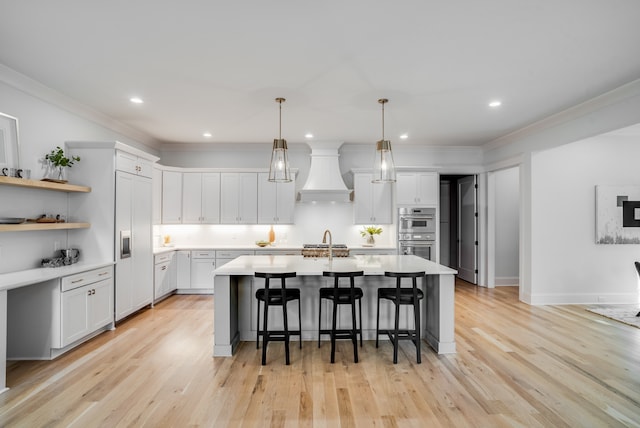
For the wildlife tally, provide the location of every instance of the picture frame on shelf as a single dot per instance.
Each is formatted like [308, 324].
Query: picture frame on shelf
[9, 142]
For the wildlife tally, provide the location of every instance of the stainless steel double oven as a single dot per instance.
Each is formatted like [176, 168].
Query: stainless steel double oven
[417, 232]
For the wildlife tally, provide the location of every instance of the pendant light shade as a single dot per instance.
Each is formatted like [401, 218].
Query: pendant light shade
[279, 170]
[384, 170]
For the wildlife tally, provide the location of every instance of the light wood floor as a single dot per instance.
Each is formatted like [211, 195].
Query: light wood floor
[517, 365]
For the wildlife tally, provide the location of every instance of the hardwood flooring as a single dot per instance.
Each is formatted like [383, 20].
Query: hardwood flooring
[517, 365]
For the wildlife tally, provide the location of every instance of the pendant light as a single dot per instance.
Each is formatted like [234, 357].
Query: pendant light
[384, 170]
[279, 168]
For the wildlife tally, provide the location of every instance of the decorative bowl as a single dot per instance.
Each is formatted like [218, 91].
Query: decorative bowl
[262, 243]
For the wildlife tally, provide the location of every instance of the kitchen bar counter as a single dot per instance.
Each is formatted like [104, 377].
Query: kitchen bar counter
[235, 289]
[258, 250]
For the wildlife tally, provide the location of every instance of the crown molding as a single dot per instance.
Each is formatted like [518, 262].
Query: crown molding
[38, 90]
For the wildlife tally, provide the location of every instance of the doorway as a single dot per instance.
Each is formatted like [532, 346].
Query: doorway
[459, 225]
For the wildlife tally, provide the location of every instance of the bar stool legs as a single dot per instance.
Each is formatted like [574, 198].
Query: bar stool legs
[402, 296]
[276, 297]
[342, 296]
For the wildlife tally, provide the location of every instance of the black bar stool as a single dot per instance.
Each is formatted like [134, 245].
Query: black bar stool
[342, 296]
[402, 296]
[279, 297]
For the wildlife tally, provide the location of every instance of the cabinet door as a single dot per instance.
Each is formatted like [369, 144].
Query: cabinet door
[191, 197]
[381, 203]
[144, 168]
[75, 314]
[157, 196]
[267, 200]
[141, 243]
[248, 208]
[428, 186]
[406, 188]
[211, 197]
[126, 162]
[171, 197]
[124, 267]
[286, 202]
[159, 279]
[184, 270]
[101, 304]
[363, 201]
[229, 197]
[239, 198]
[202, 273]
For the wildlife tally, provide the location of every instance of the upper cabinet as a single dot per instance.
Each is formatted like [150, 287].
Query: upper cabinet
[171, 197]
[201, 197]
[276, 201]
[133, 164]
[417, 188]
[156, 197]
[372, 202]
[238, 198]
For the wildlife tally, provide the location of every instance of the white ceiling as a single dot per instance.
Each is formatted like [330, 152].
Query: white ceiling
[206, 65]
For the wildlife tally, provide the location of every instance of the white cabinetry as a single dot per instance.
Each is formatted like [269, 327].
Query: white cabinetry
[171, 197]
[183, 264]
[133, 164]
[276, 201]
[239, 198]
[157, 195]
[201, 197]
[86, 304]
[49, 318]
[373, 202]
[165, 275]
[417, 188]
[134, 275]
[203, 264]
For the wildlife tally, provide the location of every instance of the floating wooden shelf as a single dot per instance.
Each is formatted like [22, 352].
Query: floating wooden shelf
[25, 227]
[45, 185]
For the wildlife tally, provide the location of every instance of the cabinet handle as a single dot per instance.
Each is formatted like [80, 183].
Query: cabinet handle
[89, 292]
[164, 268]
[103, 273]
[93, 291]
[77, 280]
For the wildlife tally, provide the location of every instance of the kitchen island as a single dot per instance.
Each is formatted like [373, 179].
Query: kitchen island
[235, 303]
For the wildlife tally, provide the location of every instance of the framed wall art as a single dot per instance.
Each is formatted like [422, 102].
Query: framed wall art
[617, 214]
[9, 144]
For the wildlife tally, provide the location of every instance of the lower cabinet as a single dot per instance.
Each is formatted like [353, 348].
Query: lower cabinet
[164, 275]
[48, 319]
[203, 263]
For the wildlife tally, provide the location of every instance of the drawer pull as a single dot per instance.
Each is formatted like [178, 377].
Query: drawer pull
[77, 280]
[103, 273]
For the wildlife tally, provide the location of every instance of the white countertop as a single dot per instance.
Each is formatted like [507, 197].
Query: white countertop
[250, 247]
[371, 265]
[34, 276]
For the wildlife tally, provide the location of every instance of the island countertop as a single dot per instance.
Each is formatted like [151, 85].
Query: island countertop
[370, 264]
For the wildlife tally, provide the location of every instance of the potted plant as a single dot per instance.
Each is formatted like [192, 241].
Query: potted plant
[59, 161]
[369, 231]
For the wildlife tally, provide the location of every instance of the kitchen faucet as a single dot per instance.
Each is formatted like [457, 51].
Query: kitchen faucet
[324, 241]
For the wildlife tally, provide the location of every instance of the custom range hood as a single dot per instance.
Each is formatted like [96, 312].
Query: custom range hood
[324, 183]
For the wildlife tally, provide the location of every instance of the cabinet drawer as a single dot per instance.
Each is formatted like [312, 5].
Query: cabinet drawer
[81, 279]
[164, 257]
[203, 254]
[232, 254]
[126, 162]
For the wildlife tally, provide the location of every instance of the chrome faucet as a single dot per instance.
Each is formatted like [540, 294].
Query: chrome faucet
[324, 241]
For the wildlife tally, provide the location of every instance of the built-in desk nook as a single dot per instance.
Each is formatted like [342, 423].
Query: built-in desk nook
[234, 284]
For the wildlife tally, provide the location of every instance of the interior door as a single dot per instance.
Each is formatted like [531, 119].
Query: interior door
[467, 230]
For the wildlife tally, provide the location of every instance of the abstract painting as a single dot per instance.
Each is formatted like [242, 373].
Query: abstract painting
[617, 214]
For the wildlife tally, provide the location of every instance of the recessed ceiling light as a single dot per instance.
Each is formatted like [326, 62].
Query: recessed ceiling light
[136, 100]
[308, 135]
[207, 134]
[495, 104]
[404, 136]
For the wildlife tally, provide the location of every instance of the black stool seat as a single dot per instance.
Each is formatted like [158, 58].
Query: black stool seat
[402, 296]
[342, 296]
[276, 297]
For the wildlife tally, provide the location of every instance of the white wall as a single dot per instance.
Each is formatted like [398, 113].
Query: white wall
[42, 127]
[507, 217]
[567, 265]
